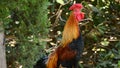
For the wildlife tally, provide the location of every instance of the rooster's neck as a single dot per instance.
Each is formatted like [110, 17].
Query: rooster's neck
[71, 30]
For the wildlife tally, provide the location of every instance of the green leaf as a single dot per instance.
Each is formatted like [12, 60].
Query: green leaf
[60, 2]
[118, 45]
[105, 43]
[119, 64]
[93, 8]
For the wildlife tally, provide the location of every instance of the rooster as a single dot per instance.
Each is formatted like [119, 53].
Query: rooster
[69, 52]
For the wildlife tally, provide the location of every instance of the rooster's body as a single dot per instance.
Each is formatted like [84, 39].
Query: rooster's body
[71, 54]
[68, 53]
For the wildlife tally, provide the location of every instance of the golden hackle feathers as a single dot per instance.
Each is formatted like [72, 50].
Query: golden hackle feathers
[71, 30]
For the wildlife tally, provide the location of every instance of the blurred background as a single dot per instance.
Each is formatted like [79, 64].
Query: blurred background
[33, 29]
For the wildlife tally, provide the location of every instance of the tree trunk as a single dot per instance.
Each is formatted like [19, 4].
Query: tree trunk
[2, 49]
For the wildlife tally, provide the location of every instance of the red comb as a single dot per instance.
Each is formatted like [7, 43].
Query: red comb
[76, 6]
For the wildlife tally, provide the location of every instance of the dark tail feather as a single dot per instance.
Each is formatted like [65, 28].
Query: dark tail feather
[41, 63]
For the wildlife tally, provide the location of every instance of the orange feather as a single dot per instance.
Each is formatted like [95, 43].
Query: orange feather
[52, 61]
[71, 30]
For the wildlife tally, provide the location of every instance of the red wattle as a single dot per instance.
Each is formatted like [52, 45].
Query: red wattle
[79, 16]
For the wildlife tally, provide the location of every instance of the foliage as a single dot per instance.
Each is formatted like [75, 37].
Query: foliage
[26, 26]
[105, 16]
